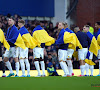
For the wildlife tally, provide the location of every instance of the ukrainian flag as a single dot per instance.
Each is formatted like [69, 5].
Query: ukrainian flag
[41, 36]
[65, 37]
[94, 45]
[3, 40]
[15, 37]
[75, 38]
[29, 41]
[88, 60]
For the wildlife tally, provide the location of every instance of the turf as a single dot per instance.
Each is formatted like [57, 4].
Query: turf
[50, 83]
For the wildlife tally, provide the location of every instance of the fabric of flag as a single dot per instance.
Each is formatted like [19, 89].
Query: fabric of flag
[66, 38]
[29, 41]
[14, 37]
[94, 45]
[88, 60]
[41, 36]
[3, 40]
[75, 38]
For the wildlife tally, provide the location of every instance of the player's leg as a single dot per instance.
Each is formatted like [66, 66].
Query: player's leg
[99, 61]
[8, 64]
[91, 66]
[82, 55]
[69, 62]
[62, 59]
[87, 69]
[15, 51]
[21, 60]
[27, 62]
[42, 62]
[36, 60]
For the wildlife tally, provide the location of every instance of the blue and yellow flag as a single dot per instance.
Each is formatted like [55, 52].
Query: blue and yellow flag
[14, 37]
[29, 41]
[88, 60]
[66, 38]
[75, 38]
[41, 36]
[94, 45]
[3, 40]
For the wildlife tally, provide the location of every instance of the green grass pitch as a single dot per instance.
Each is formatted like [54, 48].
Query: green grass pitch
[50, 83]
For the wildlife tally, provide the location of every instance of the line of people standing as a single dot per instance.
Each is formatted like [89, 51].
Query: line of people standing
[68, 42]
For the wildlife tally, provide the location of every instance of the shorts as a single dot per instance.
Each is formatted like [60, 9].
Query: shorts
[82, 53]
[13, 52]
[62, 54]
[70, 53]
[22, 53]
[38, 52]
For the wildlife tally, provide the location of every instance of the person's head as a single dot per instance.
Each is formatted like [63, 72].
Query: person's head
[49, 56]
[21, 23]
[54, 53]
[97, 25]
[50, 25]
[86, 28]
[50, 64]
[66, 25]
[41, 23]
[37, 23]
[49, 48]
[76, 29]
[11, 21]
[61, 25]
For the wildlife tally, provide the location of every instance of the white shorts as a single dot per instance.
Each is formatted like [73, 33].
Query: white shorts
[22, 53]
[82, 53]
[98, 54]
[91, 55]
[70, 53]
[38, 52]
[13, 52]
[62, 54]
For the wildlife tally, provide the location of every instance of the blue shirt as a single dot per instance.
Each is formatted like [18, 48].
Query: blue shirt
[84, 39]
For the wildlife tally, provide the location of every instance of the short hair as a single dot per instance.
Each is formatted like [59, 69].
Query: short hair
[21, 21]
[98, 22]
[63, 23]
[76, 28]
[37, 23]
[87, 26]
[89, 23]
[11, 18]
